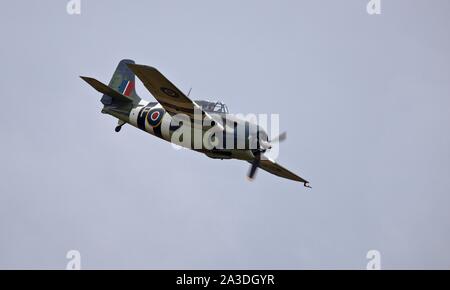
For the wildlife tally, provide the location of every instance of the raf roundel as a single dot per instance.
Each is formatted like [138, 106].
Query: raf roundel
[155, 116]
[169, 92]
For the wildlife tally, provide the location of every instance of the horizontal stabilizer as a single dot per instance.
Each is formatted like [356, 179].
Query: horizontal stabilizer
[102, 88]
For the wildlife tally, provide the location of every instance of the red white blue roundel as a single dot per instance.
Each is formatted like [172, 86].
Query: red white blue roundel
[155, 116]
[169, 92]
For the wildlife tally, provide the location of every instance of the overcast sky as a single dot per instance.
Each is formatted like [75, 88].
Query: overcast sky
[365, 100]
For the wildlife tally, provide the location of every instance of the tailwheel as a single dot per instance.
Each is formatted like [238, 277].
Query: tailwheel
[120, 123]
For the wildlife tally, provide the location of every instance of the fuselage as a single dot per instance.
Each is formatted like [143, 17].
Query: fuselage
[153, 119]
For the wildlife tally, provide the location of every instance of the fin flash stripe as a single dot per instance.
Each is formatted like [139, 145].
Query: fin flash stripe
[126, 87]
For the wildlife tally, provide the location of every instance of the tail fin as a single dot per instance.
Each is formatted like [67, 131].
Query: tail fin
[123, 81]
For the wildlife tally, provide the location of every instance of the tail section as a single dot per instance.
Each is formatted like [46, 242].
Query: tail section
[122, 81]
[119, 97]
[108, 92]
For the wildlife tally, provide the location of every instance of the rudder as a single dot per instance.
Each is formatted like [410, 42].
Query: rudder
[123, 81]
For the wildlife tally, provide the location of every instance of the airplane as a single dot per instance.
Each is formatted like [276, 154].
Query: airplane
[121, 101]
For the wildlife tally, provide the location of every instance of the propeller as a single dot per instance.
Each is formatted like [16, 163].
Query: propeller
[261, 147]
[254, 166]
[280, 138]
[257, 159]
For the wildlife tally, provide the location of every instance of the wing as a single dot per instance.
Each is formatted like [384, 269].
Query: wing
[272, 167]
[168, 95]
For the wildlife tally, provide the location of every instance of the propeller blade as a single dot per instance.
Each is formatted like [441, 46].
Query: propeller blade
[280, 138]
[254, 166]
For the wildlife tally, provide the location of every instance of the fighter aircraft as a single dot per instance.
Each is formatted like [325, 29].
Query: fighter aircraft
[174, 109]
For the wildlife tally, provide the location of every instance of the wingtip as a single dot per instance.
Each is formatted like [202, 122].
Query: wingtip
[130, 65]
[86, 79]
[134, 67]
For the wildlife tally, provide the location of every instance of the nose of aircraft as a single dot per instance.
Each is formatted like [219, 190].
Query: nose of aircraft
[265, 144]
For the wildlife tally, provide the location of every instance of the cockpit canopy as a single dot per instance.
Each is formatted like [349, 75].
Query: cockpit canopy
[215, 107]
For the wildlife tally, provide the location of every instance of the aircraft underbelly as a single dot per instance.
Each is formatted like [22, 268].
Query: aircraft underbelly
[230, 154]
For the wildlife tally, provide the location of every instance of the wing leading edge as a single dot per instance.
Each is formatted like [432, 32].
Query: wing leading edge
[173, 100]
[271, 166]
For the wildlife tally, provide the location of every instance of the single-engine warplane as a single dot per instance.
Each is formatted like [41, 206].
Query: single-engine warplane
[216, 133]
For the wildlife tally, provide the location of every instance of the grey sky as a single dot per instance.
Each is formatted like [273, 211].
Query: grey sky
[365, 101]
